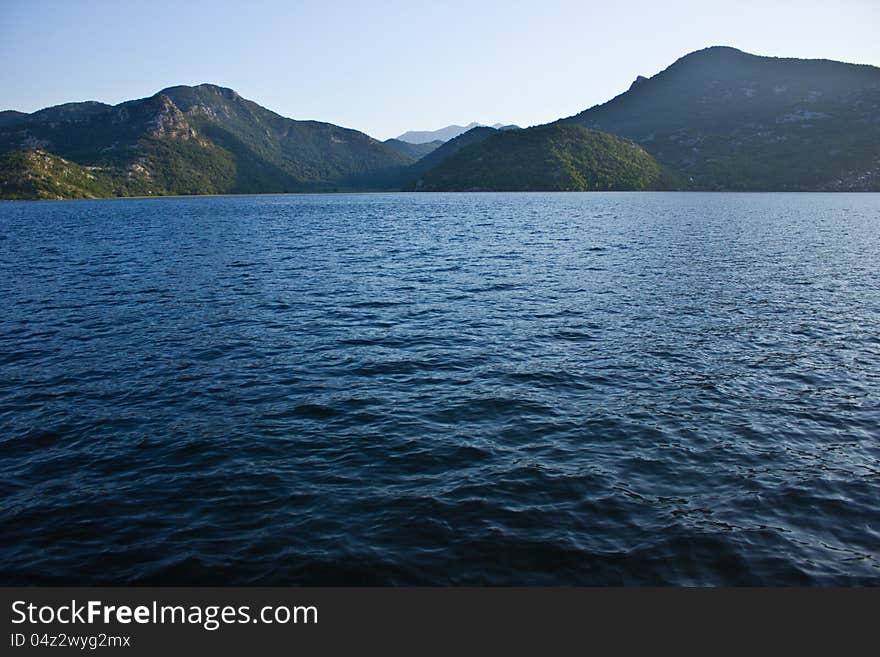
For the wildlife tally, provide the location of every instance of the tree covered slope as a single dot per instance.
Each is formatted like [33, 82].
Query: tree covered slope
[197, 140]
[548, 158]
[716, 119]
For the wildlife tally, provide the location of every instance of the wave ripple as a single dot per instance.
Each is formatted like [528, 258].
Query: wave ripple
[629, 389]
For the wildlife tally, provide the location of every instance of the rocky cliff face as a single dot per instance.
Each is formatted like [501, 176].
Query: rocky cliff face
[169, 122]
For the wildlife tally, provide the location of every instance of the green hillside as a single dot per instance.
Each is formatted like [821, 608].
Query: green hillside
[201, 140]
[548, 158]
[719, 118]
[407, 177]
[41, 175]
[415, 151]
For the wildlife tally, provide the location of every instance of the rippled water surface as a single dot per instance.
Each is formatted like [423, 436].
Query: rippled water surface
[441, 389]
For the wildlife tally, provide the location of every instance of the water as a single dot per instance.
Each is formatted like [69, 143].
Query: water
[441, 389]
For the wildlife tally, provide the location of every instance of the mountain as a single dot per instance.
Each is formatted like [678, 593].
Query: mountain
[719, 118]
[731, 120]
[442, 134]
[447, 133]
[416, 151]
[442, 153]
[548, 158]
[9, 117]
[197, 140]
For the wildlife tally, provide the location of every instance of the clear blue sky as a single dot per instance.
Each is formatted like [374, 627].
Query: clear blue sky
[385, 67]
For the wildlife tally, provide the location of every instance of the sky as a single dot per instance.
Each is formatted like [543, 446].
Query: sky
[386, 67]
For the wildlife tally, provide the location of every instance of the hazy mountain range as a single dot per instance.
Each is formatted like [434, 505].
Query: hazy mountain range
[716, 119]
[447, 133]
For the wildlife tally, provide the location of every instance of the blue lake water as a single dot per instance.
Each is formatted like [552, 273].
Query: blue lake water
[441, 389]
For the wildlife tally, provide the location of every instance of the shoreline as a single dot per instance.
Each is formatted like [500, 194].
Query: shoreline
[397, 191]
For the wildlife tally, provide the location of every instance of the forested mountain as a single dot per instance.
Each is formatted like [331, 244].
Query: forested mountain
[716, 119]
[197, 140]
[730, 120]
[548, 158]
[417, 151]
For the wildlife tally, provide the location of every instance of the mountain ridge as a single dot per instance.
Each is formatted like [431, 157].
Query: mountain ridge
[732, 120]
[448, 132]
[218, 143]
[715, 119]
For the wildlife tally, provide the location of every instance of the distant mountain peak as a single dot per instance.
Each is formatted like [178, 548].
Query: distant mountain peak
[447, 133]
[715, 53]
[719, 50]
[204, 86]
[639, 79]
